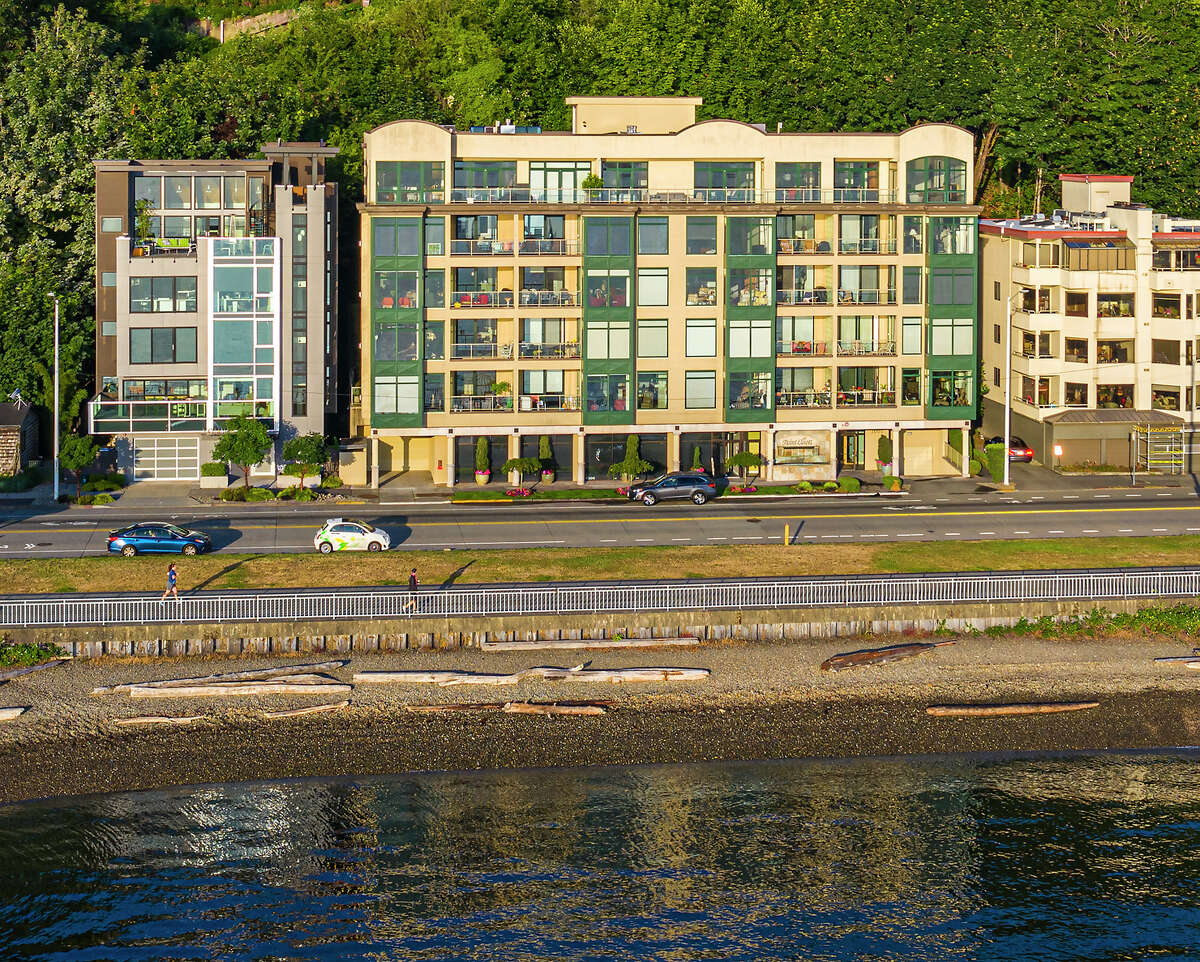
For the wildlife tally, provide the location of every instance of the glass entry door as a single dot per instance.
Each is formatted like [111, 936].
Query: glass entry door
[852, 449]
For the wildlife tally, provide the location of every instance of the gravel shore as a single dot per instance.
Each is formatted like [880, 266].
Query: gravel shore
[762, 701]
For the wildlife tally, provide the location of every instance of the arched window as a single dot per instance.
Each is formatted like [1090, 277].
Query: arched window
[937, 180]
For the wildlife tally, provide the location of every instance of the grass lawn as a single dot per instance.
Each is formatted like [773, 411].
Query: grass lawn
[211, 572]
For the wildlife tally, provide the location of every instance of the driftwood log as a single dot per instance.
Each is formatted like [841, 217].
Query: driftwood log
[984, 711]
[1179, 658]
[581, 643]
[8, 714]
[311, 710]
[254, 674]
[447, 679]
[518, 707]
[17, 672]
[158, 720]
[240, 689]
[878, 656]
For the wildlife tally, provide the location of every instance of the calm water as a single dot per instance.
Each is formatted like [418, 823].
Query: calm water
[1081, 858]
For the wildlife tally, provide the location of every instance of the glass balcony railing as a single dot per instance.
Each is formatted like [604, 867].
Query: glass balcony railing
[481, 403]
[523, 194]
[481, 299]
[480, 246]
[472, 350]
[548, 245]
[409, 195]
[549, 402]
[866, 295]
[535, 297]
[802, 349]
[818, 296]
[531, 349]
[860, 348]
[803, 245]
[866, 397]
[803, 399]
[106, 416]
[867, 245]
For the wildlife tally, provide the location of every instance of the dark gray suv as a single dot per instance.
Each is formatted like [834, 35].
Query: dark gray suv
[679, 484]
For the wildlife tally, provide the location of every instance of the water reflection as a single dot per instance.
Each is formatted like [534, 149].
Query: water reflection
[1079, 858]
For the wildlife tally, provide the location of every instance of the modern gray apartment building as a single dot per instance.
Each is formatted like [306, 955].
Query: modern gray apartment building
[216, 295]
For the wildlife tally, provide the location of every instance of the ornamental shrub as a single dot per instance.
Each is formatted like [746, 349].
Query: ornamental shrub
[850, 485]
[482, 463]
[829, 486]
[214, 469]
[804, 487]
[333, 481]
[975, 467]
[995, 455]
[103, 498]
[306, 494]
[892, 483]
[234, 494]
[260, 494]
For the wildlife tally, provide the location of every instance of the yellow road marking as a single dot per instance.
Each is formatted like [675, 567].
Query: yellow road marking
[685, 519]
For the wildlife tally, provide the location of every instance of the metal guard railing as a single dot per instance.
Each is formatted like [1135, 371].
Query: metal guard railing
[501, 600]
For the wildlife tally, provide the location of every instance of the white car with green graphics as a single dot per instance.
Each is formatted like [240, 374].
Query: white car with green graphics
[350, 534]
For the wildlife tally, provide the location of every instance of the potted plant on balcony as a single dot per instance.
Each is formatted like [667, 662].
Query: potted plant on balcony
[546, 457]
[592, 183]
[142, 228]
[502, 392]
[483, 472]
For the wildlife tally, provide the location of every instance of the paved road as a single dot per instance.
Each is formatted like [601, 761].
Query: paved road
[966, 517]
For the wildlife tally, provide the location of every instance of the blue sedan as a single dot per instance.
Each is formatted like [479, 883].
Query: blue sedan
[157, 536]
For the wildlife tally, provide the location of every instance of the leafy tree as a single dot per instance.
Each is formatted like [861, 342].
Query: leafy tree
[77, 452]
[482, 463]
[745, 460]
[244, 442]
[308, 451]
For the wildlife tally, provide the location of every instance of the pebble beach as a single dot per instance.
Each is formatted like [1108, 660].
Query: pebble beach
[760, 701]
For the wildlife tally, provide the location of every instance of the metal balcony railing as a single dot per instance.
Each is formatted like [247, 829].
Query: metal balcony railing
[859, 348]
[803, 399]
[481, 403]
[542, 349]
[866, 398]
[549, 402]
[802, 348]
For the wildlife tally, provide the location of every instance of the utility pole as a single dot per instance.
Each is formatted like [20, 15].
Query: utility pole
[55, 427]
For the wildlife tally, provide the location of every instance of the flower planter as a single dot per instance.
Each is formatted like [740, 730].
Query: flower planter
[293, 481]
[547, 477]
[215, 481]
[483, 477]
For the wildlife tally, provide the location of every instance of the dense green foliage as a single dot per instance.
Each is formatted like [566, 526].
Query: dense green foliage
[1171, 621]
[244, 442]
[14, 655]
[1067, 85]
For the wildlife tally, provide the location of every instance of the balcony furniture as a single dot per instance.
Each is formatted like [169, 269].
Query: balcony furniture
[387, 302]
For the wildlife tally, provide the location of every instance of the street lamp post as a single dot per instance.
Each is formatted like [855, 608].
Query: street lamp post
[55, 427]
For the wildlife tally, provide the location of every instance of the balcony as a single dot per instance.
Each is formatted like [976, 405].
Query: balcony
[106, 416]
[519, 194]
[866, 398]
[802, 349]
[549, 402]
[481, 299]
[479, 350]
[802, 245]
[818, 296]
[481, 403]
[409, 195]
[803, 399]
[867, 245]
[481, 246]
[548, 245]
[867, 296]
[536, 297]
[866, 348]
[162, 247]
[541, 349]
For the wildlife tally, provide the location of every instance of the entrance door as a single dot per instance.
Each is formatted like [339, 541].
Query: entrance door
[852, 447]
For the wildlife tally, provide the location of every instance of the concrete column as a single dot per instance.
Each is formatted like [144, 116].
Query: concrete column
[375, 462]
[673, 451]
[966, 452]
[768, 452]
[894, 437]
[450, 469]
[580, 453]
[514, 451]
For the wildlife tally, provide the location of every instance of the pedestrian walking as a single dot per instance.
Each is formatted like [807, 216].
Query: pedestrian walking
[413, 584]
[172, 583]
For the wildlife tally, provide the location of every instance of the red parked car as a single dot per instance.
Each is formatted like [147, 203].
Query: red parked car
[1018, 450]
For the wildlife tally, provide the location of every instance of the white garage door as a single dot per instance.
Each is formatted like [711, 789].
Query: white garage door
[166, 459]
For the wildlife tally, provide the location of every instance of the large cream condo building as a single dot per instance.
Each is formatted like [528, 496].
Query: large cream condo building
[713, 286]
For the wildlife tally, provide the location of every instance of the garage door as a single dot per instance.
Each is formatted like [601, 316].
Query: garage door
[166, 459]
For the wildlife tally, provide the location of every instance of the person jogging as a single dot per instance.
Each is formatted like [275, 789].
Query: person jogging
[172, 583]
[413, 584]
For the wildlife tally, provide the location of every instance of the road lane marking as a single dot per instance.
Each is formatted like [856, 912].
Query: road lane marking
[1070, 497]
[987, 532]
[953, 534]
[1091, 530]
[1125, 530]
[909, 535]
[1164, 495]
[1158, 529]
[1056, 531]
[1133, 495]
[681, 539]
[1103, 496]
[1020, 532]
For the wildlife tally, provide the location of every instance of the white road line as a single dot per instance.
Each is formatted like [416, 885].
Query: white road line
[974, 499]
[1020, 532]
[908, 535]
[1125, 530]
[1056, 532]
[952, 534]
[1091, 530]
[726, 539]
[1103, 495]
[1070, 497]
[1037, 497]
[643, 539]
[1163, 495]
[454, 544]
[758, 538]
[987, 532]
[1193, 529]
[608, 540]
[684, 539]
[1158, 529]
[943, 499]
[833, 536]
[1133, 495]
